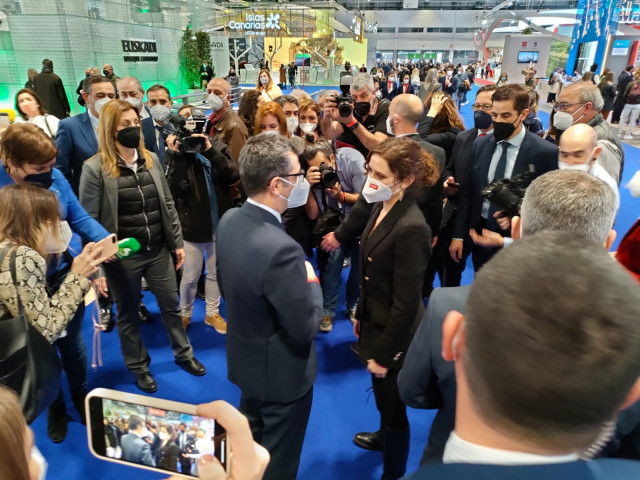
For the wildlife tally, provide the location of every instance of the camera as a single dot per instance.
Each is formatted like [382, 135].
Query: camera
[507, 194]
[328, 176]
[344, 104]
[184, 129]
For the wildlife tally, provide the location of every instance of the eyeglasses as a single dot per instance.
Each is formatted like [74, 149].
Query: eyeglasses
[563, 107]
[299, 174]
[486, 107]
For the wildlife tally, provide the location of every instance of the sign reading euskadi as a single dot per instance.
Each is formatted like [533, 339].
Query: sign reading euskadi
[140, 50]
[256, 24]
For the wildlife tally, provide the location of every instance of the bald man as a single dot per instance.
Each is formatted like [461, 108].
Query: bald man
[581, 102]
[130, 90]
[579, 150]
[224, 123]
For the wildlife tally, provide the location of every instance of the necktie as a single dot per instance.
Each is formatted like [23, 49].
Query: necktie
[502, 163]
[160, 142]
[482, 134]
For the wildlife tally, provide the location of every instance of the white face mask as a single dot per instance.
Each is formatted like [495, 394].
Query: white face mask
[58, 239]
[264, 80]
[97, 106]
[136, 102]
[449, 73]
[389, 126]
[563, 120]
[634, 185]
[378, 94]
[406, 81]
[392, 79]
[299, 194]
[376, 191]
[292, 124]
[160, 113]
[37, 457]
[308, 127]
[271, 132]
[580, 167]
[215, 102]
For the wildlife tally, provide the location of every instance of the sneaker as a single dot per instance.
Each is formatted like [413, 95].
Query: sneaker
[327, 324]
[628, 137]
[346, 263]
[217, 322]
[186, 321]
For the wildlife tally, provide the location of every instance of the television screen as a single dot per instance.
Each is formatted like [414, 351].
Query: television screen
[527, 57]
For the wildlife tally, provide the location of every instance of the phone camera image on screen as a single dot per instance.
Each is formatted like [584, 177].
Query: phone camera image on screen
[157, 438]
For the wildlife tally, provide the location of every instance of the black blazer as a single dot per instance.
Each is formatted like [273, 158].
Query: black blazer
[384, 88]
[273, 313]
[410, 89]
[444, 140]
[150, 143]
[457, 165]
[534, 152]
[393, 259]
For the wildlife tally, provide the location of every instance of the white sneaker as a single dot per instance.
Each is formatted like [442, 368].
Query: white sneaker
[628, 137]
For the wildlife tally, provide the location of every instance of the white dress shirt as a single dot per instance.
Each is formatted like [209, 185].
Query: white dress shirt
[95, 121]
[264, 207]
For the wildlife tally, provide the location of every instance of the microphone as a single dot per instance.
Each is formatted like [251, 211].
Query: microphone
[127, 247]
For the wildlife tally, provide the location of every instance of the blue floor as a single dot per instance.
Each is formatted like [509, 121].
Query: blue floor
[343, 403]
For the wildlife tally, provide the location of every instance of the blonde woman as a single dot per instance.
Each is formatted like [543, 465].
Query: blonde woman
[124, 188]
[269, 90]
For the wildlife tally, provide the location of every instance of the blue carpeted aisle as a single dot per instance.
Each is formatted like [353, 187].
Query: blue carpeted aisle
[343, 403]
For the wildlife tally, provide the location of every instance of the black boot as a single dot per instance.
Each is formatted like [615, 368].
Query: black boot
[57, 420]
[395, 451]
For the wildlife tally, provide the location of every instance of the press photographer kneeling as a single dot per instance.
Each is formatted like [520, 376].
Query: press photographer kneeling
[200, 171]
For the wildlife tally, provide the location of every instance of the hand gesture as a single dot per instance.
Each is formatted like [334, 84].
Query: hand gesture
[450, 190]
[329, 242]
[455, 250]
[86, 263]
[376, 369]
[172, 143]
[503, 222]
[437, 103]
[313, 175]
[335, 192]
[488, 239]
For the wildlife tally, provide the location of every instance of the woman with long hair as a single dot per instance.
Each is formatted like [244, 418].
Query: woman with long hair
[124, 188]
[503, 80]
[29, 107]
[269, 90]
[309, 114]
[31, 74]
[430, 86]
[442, 123]
[250, 101]
[608, 91]
[394, 252]
[271, 118]
[167, 452]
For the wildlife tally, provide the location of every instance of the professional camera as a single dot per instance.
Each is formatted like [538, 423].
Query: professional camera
[328, 176]
[183, 129]
[507, 194]
[344, 104]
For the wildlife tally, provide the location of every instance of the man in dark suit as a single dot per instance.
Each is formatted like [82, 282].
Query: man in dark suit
[49, 88]
[535, 386]
[134, 448]
[510, 151]
[405, 86]
[159, 104]
[390, 87]
[624, 79]
[428, 381]
[274, 303]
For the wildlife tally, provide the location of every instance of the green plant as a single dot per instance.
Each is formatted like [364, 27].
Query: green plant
[194, 49]
[527, 31]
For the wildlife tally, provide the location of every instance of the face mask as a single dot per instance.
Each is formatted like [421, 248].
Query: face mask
[271, 132]
[362, 109]
[580, 167]
[308, 127]
[405, 81]
[38, 458]
[292, 124]
[449, 73]
[503, 78]
[264, 80]
[163, 436]
[58, 238]
[503, 130]
[389, 125]
[392, 79]
[482, 120]
[44, 179]
[563, 120]
[87, 75]
[105, 73]
[98, 104]
[232, 74]
[129, 137]
[160, 113]
[299, 194]
[215, 102]
[376, 191]
[136, 102]
[378, 94]
[634, 185]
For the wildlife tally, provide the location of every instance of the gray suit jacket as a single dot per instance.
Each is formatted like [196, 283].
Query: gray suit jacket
[99, 197]
[136, 450]
[273, 313]
[426, 379]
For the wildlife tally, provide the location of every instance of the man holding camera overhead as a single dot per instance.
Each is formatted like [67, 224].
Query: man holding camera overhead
[358, 121]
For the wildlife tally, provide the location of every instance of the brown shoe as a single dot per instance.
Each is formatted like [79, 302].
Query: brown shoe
[186, 321]
[217, 322]
[327, 324]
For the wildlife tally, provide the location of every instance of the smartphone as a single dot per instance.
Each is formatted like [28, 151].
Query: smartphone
[453, 184]
[109, 245]
[151, 433]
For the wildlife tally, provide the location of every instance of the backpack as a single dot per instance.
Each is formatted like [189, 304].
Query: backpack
[634, 94]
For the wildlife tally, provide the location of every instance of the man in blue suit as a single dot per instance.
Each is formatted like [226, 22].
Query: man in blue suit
[510, 151]
[134, 448]
[545, 355]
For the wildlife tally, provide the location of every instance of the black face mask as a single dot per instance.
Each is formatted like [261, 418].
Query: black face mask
[482, 120]
[87, 75]
[362, 109]
[129, 137]
[44, 179]
[503, 130]
[106, 74]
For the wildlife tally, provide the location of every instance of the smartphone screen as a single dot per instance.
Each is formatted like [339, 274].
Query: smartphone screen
[146, 436]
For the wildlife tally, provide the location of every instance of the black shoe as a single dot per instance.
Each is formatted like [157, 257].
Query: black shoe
[355, 348]
[146, 382]
[143, 314]
[193, 366]
[368, 440]
[78, 402]
[57, 424]
[106, 319]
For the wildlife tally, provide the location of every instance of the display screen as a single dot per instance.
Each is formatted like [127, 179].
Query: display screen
[164, 439]
[527, 57]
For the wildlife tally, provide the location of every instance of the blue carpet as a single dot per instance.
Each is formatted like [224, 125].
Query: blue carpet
[343, 403]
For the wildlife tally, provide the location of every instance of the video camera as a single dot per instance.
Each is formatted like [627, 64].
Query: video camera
[183, 129]
[329, 176]
[507, 194]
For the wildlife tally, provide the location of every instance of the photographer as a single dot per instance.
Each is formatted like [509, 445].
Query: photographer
[364, 125]
[199, 184]
[336, 177]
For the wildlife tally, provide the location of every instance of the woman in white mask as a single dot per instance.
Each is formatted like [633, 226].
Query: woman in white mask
[394, 252]
[167, 452]
[271, 119]
[309, 116]
[270, 91]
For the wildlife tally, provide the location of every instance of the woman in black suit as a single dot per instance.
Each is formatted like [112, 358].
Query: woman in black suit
[168, 452]
[394, 252]
[405, 84]
[389, 87]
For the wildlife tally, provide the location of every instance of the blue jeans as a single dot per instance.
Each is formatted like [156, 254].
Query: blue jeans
[330, 266]
[461, 97]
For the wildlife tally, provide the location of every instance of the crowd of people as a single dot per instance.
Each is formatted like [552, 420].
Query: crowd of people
[383, 174]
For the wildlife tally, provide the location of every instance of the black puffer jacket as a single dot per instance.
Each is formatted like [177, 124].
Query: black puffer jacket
[139, 213]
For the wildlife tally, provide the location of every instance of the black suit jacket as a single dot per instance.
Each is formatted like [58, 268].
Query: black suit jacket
[50, 89]
[457, 166]
[150, 143]
[390, 95]
[624, 79]
[393, 259]
[273, 313]
[400, 89]
[534, 152]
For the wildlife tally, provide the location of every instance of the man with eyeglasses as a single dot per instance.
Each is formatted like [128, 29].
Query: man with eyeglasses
[581, 102]
[273, 300]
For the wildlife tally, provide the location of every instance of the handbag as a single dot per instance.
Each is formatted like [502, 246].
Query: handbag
[29, 364]
[328, 221]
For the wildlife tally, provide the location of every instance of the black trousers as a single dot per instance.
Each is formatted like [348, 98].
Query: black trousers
[393, 411]
[124, 278]
[618, 106]
[280, 428]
